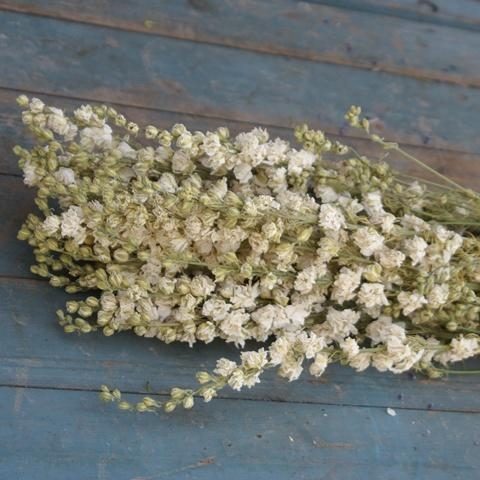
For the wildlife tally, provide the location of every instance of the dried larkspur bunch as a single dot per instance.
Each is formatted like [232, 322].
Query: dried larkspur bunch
[192, 236]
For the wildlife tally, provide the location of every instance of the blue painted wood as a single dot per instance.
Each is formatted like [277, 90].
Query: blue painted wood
[16, 201]
[39, 354]
[144, 70]
[463, 14]
[231, 439]
[333, 427]
[297, 29]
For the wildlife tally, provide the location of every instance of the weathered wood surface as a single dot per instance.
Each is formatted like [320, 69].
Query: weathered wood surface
[70, 438]
[456, 13]
[296, 29]
[85, 61]
[206, 63]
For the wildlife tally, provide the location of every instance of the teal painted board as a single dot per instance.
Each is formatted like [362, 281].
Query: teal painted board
[70, 437]
[16, 201]
[462, 167]
[297, 29]
[455, 13]
[39, 354]
[144, 70]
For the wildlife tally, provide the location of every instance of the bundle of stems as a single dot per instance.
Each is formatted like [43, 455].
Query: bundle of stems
[316, 251]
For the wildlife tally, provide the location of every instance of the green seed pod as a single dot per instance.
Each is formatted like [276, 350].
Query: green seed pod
[70, 328]
[92, 302]
[73, 289]
[108, 331]
[188, 402]
[203, 377]
[105, 396]
[177, 393]
[150, 402]
[140, 330]
[121, 255]
[85, 311]
[169, 407]
[86, 328]
[72, 306]
[452, 326]
[103, 318]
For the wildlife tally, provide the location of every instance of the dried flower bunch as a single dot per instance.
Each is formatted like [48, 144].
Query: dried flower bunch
[192, 236]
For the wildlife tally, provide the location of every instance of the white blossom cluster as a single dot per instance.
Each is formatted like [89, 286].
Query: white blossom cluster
[191, 236]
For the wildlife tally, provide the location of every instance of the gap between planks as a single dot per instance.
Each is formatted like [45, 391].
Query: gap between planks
[243, 398]
[425, 74]
[393, 9]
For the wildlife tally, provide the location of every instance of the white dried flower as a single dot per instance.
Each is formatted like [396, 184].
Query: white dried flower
[318, 366]
[438, 295]
[224, 367]
[65, 175]
[346, 283]
[372, 295]
[415, 248]
[51, 224]
[410, 301]
[331, 217]
[342, 322]
[368, 240]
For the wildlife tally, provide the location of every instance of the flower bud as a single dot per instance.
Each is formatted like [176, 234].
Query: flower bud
[69, 328]
[108, 331]
[105, 396]
[151, 132]
[177, 393]
[121, 255]
[169, 407]
[92, 302]
[72, 306]
[203, 377]
[85, 311]
[150, 402]
[188, 402]
[451, 326]
[22, 100]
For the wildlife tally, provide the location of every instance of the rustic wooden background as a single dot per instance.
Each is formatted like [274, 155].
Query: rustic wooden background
[415, 67]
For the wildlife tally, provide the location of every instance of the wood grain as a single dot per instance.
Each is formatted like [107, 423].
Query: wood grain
[142, 70]
[295, 29]
[464, 14]
[40, 354]
[16, 201]
[231, 439]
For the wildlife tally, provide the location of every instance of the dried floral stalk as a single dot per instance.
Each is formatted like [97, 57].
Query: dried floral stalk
[189, 236]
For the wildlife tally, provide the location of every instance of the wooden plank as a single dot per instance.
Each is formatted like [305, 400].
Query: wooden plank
[71, 437]
[39, 354]
[143, 70]
[296, 29]
[463, 14]
[463, 167]
[16, 201]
